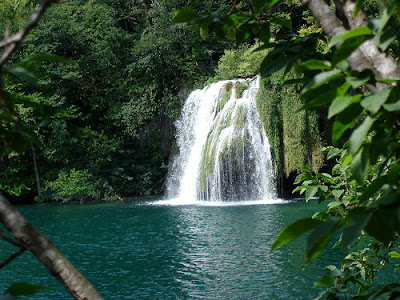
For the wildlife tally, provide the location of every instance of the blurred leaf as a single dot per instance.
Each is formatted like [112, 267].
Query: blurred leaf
[320, 79]
[269, 65]
[374, 102]
[356, 222]
[281, 21]
[360, 133]
[314, 64]
[325, 281]
[24, 289]
[258, 5]
[360, 164]
[347, 48]
[183, 15]
[293, 231]
[394, 254]
[344, 121]
[358, 6]
[23, 73]
[310, 192]
[321, 236]
[340, 104]
[358, 31]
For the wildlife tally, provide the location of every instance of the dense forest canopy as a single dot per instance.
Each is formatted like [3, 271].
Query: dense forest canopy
[105, 129]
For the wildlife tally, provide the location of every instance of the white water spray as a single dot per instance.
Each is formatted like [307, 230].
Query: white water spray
[224, 154]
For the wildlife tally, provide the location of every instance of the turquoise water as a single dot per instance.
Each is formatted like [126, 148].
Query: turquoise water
[143, 250]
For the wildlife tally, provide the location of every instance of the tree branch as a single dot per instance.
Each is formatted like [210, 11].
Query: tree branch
[12, 257]
[45, 252]
[367, 56]
[11, 44]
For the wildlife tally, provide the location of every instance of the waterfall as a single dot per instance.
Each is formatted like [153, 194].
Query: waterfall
[224, 154]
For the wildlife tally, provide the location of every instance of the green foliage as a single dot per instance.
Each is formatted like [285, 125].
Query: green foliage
[295, 136]
[240, 63]
[74, 185]
[366, 178]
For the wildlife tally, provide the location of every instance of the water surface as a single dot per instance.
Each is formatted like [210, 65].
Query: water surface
[148, 250]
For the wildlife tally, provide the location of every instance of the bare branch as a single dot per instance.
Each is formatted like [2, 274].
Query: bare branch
[12, 257]
[11, 44]
[10, 240]
[41, 246]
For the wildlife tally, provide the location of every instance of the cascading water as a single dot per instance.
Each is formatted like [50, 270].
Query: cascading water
[224, 154]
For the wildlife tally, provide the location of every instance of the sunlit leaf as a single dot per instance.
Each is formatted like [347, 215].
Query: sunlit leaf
[347, 48]
[358, 31]
[294, 231]
[340, 104]
[374, 102]
[394, 254]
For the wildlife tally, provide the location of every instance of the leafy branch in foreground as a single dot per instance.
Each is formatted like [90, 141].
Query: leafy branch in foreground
[14, 136]
[360, 82]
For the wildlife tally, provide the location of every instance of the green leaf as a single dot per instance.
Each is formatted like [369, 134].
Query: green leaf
[183, 15]
[344, 121]
[310, 192]
[358, 31]
[258, 5]
[293, 231]
[321, 236]
[325, 281]
[204, 30]
[384, 39]
[280, 21]
[314, 64]
[394, 254]
[269, 66]
[337, 193]
[321, 79]
[359, 134]
[360, 164]
[340, 104]
[23, 73]
[355, 224]
[347, 48]
[392, 106]
[270, 3]
[45, 58]
[374, 102]
[301, 177]
[24, 289]
[333, 152]
[356, 81]
[358, 6]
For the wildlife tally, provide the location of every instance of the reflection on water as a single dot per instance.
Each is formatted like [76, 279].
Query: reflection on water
[143, 250]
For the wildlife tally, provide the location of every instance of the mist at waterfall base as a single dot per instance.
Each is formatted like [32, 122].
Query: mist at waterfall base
[224, 155]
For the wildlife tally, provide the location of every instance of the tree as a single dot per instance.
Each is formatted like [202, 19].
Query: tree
[359, 80]
[14, 137]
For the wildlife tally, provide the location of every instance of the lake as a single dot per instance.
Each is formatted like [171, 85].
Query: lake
[150, 250]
